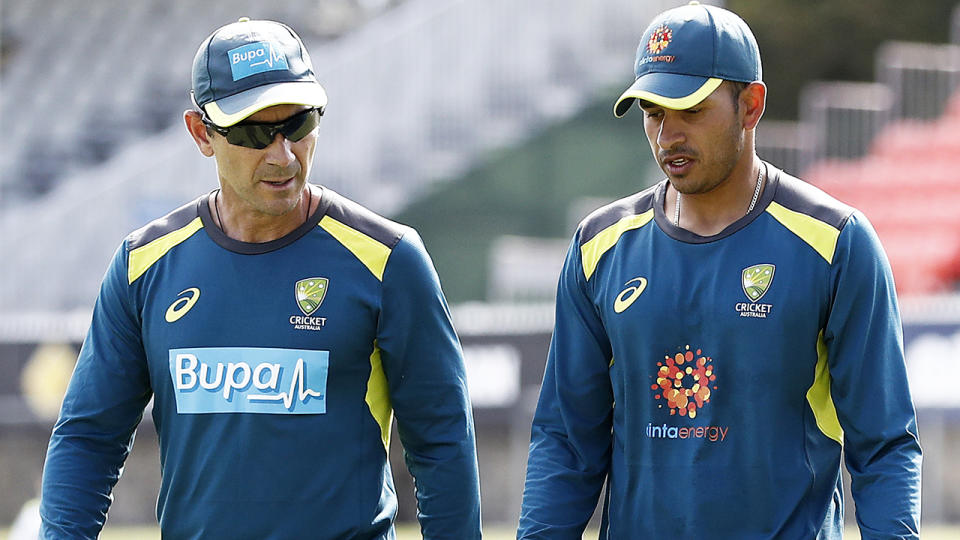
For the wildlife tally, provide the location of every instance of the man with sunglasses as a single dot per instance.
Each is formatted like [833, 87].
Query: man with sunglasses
[277, 326]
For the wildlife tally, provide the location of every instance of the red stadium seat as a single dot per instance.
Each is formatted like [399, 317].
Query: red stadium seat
[952, 110]
[908, 186]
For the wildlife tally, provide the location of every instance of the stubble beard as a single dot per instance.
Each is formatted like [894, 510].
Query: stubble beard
[723, 163]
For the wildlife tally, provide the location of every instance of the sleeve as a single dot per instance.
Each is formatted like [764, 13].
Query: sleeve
[103, 405]
[571, 435]
[423, 363]
[869, 386]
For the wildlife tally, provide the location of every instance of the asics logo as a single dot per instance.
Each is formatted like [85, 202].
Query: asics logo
[628, 295]
[182, 305]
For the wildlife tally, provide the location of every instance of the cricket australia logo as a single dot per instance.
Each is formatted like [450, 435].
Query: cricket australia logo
[756, 281]
[309, 294]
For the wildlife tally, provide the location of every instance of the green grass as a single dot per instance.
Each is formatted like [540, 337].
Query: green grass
[411, 532]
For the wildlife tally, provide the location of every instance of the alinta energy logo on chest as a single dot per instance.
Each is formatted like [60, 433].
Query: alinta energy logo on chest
[684, 383]
[756, 281]
[309, 294]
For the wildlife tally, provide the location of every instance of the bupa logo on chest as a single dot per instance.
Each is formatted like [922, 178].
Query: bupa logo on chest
[256, 58]
[249, 380]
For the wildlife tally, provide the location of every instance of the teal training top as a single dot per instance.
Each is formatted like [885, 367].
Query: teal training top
[713, 381]
[275, 370]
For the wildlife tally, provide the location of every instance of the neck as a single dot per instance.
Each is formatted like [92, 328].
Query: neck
[249, 225]
[709, 213]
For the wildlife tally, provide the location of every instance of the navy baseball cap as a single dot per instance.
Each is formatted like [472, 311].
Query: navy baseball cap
[247, 66]
[686, 53]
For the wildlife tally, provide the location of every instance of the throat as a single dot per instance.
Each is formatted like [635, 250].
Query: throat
[707, 214]
[257, 227]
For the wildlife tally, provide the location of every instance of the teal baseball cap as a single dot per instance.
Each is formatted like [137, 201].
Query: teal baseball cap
[686, 53]
[249, 65]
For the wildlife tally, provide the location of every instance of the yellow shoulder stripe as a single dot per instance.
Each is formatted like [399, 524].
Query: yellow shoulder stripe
[371, 253]
[591, 251]
[143, 257]
[821, 236]
[378, 397]
[820, 399]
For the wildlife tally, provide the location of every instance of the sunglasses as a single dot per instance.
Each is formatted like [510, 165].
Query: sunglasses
[260, 135]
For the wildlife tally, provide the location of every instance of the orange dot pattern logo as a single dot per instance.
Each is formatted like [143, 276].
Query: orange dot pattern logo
[659, 39]
[684, 381]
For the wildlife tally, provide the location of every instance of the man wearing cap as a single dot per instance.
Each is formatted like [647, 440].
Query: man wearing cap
[721, 336]
[277, 326]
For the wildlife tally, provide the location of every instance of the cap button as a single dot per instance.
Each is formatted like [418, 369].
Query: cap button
[694, 3]
[243, 19]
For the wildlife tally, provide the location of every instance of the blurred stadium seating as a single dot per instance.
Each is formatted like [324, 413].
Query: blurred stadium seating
[417, 93]
[889, 148]
[92, 94]
[907, 184]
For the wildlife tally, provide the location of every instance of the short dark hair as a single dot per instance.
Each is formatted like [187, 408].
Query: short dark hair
[737, 87]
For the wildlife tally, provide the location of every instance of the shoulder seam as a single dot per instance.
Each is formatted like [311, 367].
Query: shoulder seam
[819, 235]
[592, 250]
[141, 258]
[363, 220]
[605, 216]
[370, 251]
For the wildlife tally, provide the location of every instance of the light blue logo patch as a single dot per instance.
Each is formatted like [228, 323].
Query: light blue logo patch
[256, 58]
[249, 380]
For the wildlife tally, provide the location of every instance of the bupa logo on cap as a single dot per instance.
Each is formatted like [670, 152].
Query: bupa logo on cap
[659, 39]
[256, 58]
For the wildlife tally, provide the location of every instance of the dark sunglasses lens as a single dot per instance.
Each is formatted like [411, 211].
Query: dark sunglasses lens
[260, 136]
[251, 136]
[300, 125]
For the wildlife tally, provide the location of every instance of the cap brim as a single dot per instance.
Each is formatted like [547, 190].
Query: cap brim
[230, 110]
[669, 90]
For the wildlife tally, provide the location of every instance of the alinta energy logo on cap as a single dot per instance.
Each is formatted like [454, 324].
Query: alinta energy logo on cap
[685, 53]
[659, 39]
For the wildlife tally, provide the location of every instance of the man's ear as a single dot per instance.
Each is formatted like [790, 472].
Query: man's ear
[198, 130]
[753, 101]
